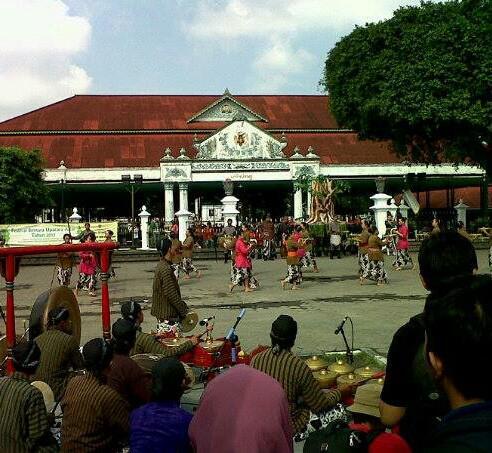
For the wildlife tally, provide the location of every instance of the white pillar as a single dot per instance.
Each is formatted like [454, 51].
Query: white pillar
[75, 217]
[298, 204]
[229, 210]
[144, 227]
[461, 210]
[183, 221]
[403, 208]
[392, 208]
[380, 209]
[309, 202]
[197, 207]
[168, 201]
[183, 196]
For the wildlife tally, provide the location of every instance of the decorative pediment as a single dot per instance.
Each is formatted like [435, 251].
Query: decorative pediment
[240, 140]
[226, 109]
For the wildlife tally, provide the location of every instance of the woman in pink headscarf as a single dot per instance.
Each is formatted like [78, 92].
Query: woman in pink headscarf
[242, 411]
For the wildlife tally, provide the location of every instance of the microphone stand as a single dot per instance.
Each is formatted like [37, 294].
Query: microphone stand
[349, 353]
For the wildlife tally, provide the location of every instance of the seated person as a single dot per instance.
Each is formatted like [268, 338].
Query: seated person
[161, 425]
[146, 343]
[242, 411]
[24, 425]
[95, 417]
[125, 375]
[410, 398]
[59, 352]
[366, 430]
[466, 310]
[298, 381]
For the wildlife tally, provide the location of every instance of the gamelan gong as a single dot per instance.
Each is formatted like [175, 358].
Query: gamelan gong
[61, 296]
[173, 341]
[349, 378]
[366, 371]
[316, 363]
[341, 367]
[325, 378]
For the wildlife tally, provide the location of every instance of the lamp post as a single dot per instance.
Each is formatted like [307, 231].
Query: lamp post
[63, 180]
[137, 179]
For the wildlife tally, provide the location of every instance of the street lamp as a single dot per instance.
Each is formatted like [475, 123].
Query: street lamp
[63, 180]
[137, 179]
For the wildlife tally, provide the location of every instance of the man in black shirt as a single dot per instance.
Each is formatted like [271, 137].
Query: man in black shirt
[467, 310]
[410, 397]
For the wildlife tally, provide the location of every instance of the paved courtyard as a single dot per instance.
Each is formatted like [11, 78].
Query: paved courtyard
[319, 306]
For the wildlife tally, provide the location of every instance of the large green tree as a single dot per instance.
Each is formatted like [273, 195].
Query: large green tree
[22, 190]
[422, 79]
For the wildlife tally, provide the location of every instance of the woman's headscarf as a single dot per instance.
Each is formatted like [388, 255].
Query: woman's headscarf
[242, 411]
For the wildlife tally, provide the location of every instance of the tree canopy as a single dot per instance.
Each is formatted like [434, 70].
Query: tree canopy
[422, 79]
[22, 189]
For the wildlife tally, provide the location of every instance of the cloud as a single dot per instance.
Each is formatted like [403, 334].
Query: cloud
[278, 25]
[39, 40]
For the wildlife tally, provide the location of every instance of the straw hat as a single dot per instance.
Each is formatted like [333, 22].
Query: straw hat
[48, 396]
[366, 400]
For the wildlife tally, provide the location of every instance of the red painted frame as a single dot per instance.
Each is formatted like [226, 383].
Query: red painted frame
[10, 253]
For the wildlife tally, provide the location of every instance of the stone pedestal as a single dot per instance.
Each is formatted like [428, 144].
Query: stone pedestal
[461, 210]
[380, 209]
[298, 204]
[392, 208]
[183, 222]
[183, 196]
[229, 209]
[168, 202]
[144, 227]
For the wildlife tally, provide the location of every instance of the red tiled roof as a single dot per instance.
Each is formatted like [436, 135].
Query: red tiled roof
[152, 122]
[145, 150]
[141, 112]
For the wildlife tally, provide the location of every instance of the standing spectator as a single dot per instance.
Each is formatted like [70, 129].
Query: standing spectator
[161, 425]
[64, 264]
[24, 425]
[95, 417]
[257, 421]
[87, 269]
[410, 397]
[467, 310]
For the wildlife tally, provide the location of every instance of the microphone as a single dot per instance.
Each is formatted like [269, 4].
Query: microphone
[340, 327]
[206, 320]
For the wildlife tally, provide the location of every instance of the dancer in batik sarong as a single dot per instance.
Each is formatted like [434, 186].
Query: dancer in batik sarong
[362, 252]
[176, 253]
[403, 259]
[87, 269]
[241, 273]
[294, 275]
[375, 269]
[306, 240]
[187, 262]
[64, 264]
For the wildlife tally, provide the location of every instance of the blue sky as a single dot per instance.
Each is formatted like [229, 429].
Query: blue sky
[52, 49]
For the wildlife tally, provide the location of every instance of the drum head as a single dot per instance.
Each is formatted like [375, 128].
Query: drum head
[48, 395]
[61, 296]
[190, 322]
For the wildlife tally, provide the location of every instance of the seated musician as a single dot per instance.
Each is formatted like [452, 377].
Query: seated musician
[24, 425]
[167, 304]
[59, 352]
[298, 381]
[146, 343]
[125, 375]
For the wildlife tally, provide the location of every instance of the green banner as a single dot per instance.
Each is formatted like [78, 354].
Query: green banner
[50, 233]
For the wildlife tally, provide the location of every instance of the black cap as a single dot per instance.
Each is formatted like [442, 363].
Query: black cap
[130, 310]
[57, 315]
[284, 328]
[26, 357]
[124, 330]
[97, 354]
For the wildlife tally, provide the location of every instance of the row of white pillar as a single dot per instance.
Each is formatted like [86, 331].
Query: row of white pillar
[298, 204]
[169, 199]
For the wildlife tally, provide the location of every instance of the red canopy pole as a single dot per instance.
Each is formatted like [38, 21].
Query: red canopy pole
[10, 328]
[105, 309]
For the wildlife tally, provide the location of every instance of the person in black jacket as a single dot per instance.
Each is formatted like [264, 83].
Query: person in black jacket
[458, 330]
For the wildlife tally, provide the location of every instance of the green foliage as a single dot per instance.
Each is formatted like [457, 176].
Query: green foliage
[305, 182]
[22, 189]
[422, 79]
